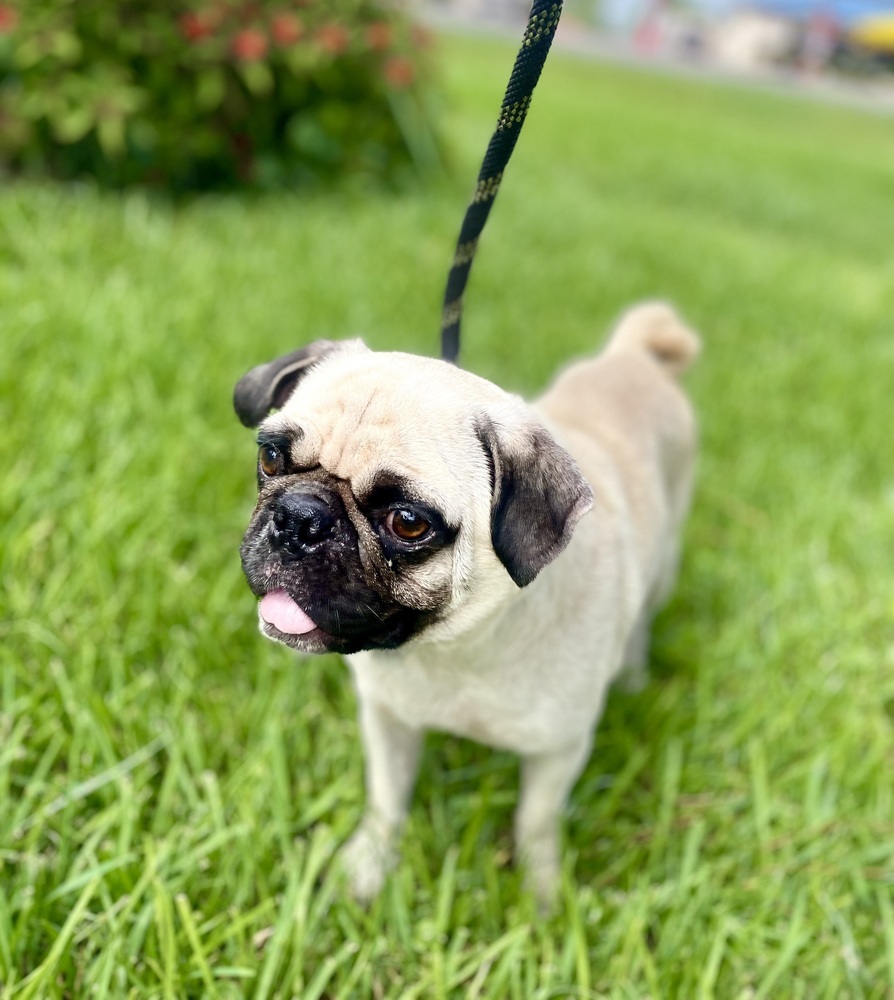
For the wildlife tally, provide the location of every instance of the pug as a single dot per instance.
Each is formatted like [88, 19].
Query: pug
[487, 567]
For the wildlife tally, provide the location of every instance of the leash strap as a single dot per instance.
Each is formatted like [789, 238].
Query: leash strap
[542, 23]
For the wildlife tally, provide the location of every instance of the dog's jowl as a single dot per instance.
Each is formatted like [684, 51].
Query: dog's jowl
[488, 567]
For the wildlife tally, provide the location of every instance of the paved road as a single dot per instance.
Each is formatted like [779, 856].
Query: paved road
[872, 95]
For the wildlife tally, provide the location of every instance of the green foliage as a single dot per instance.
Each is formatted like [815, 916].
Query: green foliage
[194, 96]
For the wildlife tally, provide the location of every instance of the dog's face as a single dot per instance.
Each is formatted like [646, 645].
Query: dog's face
[399, 498]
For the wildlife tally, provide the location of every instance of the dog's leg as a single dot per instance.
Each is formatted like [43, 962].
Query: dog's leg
[546, 780]
[634, 673]
[392, 755]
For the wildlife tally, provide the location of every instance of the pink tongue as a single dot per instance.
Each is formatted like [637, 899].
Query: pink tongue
[280, 611]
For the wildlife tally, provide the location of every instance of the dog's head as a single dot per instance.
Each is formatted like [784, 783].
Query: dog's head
[399, 497]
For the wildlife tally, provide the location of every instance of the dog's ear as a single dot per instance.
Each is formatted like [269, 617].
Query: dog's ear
[267, 387]
[538, 494]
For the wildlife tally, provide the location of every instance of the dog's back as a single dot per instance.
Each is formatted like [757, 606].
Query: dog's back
[626, 403]
[627, 397]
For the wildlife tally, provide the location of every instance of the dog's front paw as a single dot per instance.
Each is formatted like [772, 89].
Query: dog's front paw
[542, 873]
[543, 883]
[366, 859]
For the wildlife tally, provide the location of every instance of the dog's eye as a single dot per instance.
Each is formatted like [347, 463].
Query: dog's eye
[271, 460]
[407, 525]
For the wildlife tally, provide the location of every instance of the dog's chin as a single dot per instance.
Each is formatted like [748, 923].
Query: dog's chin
[402, 629]
[316, 641]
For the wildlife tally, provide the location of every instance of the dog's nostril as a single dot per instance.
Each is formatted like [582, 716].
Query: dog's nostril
[313, 526]
[301, 521]
[294, 546]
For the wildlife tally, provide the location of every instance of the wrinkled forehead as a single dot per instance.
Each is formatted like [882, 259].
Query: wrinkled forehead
[383, 421]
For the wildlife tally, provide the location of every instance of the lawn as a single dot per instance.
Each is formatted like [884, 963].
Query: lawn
[173, 787]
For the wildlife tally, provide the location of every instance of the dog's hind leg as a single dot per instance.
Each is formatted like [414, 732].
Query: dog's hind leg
[634, 673]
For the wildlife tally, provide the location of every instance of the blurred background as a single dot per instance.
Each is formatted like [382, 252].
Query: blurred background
[187, 96]
[191, 187]
[182, 96]
[769, 39]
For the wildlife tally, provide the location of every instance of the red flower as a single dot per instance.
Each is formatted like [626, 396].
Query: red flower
[420, 36]
[9, 18]
[378, 36]
[400, 72]
[249, 45]
[194, 27]
[286, 29]
[333, 38]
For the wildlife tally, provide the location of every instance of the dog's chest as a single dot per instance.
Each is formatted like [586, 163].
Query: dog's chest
[518, 701]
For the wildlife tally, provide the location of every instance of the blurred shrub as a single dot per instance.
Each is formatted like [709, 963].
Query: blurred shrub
[205, 95]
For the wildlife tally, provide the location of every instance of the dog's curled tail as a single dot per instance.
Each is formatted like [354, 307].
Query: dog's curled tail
[655, 327]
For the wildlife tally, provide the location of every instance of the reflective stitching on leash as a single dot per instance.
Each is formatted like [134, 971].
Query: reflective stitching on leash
[542, 23]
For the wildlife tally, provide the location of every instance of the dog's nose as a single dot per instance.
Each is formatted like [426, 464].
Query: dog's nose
[300, 522]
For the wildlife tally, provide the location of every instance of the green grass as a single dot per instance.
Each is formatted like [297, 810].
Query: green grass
[172, 787]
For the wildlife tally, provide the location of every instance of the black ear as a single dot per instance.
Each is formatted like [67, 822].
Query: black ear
[539, 495]
[267, 387]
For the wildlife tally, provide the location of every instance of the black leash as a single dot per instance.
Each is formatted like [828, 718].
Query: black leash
[542, 23]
